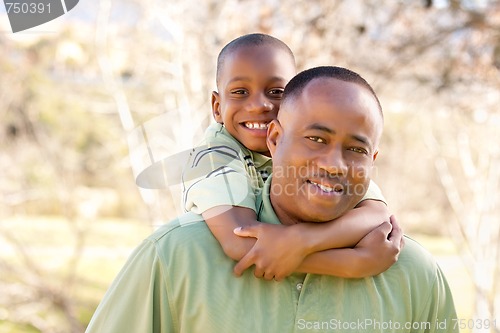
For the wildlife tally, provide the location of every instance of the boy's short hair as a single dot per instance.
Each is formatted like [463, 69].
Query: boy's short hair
[300, 81]
[255, 39]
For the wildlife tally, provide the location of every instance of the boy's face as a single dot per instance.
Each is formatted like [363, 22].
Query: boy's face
[323, 149]
[251, 85]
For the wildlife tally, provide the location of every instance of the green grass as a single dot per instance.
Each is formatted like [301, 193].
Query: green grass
[50, 241]
[50, 244]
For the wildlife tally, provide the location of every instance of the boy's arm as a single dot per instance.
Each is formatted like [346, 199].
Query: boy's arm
[222, 220]
[375, 253]
[345, 231]
[350, 228]
[280, 249]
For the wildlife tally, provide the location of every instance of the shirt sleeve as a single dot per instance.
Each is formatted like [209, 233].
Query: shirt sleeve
[440, 315]
[373, 193]
[137, 300]
[216, 175]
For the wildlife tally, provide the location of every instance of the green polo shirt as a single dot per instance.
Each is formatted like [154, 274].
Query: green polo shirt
[224, 172]
[180, 280]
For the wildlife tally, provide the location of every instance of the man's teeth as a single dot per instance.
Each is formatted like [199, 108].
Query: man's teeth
[256, 125]
[327, 189]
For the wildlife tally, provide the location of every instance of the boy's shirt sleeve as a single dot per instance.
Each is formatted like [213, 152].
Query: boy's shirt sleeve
[217, 175]
[373, 193]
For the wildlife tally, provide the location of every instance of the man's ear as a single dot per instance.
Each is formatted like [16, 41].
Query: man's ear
[216, 107]
[274, 132]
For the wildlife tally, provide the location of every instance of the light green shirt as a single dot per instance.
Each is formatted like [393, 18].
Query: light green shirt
[224, 172]
[180, 280]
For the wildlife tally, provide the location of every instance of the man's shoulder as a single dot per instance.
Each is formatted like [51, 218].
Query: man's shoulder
[186, 245]
[417, 261]
[182, 225]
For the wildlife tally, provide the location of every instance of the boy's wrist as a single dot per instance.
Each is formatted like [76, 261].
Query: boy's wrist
[307, 239]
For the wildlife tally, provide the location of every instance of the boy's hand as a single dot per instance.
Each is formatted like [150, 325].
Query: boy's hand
[378, 250]
[276, 254]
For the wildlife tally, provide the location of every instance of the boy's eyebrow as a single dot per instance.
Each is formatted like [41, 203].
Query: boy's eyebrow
[246, 78]
[328, 130]
[239, 78]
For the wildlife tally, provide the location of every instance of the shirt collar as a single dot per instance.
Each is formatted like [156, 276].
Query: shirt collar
[265, 211]
[259, 160]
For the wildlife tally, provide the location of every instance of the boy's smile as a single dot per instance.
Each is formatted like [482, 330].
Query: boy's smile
[251, 85]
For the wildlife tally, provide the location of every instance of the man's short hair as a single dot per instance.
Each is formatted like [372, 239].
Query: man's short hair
[255, 39]
[300, 81]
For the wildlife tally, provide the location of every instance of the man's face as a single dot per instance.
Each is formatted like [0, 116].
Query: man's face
[251, 86]
[323, 148]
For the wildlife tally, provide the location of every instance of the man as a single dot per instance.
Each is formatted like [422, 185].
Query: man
[323, 145]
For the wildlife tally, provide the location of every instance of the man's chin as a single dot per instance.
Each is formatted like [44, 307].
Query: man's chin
[318, 216]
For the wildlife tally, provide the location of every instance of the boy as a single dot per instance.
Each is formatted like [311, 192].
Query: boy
[222, 178]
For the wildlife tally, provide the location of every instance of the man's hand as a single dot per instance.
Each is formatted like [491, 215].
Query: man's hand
[276, 254]
[379, 249]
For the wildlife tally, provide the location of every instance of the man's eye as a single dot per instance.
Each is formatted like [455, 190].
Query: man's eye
[358, 150]
[316, 139]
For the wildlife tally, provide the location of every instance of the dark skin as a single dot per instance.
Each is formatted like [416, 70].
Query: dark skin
[354, 244]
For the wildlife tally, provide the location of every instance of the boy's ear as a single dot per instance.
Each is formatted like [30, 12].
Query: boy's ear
[216, 107]
[274, 132]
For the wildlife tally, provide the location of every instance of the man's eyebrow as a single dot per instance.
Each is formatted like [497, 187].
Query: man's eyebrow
[322, 128]
[361, 139]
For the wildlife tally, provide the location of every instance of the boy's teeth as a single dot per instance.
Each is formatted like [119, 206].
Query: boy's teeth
[256, 125]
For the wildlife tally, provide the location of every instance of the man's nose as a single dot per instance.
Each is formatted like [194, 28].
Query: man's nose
[333, 163]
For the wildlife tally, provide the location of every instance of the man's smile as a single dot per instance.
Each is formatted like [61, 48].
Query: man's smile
[327, 188]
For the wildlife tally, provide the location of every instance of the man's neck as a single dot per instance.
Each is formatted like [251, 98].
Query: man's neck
[283, 216]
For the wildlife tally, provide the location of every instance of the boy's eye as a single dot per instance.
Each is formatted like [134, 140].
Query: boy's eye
[276, 92]
[239, 92]
[316, 139]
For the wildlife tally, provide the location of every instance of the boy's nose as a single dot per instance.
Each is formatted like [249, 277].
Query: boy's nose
[261, 104]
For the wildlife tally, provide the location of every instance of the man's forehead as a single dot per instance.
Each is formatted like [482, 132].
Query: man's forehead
[336, 96]
[332, 91]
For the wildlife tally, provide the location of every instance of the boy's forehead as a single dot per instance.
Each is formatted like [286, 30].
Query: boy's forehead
[261, 55]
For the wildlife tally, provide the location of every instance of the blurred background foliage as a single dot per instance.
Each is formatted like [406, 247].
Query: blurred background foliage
[70, 98]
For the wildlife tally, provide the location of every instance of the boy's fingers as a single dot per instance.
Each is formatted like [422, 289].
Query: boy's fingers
[385, 228]
[248, 231]
[243, 264]
[397, 232]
